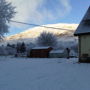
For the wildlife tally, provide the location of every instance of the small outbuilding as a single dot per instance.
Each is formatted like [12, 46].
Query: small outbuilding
[40, 52]
[83, 33]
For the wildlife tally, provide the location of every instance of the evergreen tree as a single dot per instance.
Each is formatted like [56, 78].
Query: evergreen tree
[23, 48]
[18, 47]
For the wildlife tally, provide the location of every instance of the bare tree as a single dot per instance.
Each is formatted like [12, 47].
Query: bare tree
[47, 39]
[7, 12]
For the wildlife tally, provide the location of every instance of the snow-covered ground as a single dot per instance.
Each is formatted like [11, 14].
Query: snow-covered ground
[43, 74]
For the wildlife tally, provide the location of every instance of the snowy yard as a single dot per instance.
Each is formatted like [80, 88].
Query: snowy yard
[43, 74]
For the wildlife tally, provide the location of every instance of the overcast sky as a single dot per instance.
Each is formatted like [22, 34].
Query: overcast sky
[47, 12]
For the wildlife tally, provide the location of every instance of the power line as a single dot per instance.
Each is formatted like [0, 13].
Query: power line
[39, 25]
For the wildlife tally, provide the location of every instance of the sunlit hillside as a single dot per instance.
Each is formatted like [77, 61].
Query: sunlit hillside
[32, 33]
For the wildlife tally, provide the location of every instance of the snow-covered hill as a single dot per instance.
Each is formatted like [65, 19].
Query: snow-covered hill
[32, 33]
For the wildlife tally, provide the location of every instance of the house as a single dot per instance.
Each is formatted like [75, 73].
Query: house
[40, 52]
[57, 54]
[61, 54]
[83, 33]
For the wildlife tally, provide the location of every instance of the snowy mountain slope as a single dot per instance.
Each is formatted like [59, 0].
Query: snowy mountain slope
[33, 33]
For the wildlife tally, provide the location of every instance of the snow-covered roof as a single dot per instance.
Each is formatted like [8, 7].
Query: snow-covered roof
[42, 47]
[87, 16]
[57, 51]
[84, 26]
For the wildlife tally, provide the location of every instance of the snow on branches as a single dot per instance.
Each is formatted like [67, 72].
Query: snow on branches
[6, 13]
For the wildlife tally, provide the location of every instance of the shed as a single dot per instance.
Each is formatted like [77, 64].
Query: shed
[83, 33]
[40, 52]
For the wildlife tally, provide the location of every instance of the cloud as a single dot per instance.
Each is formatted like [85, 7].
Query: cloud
[38, 11]
[55, 9]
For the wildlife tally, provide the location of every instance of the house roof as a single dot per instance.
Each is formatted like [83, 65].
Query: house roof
[57, 51]
[84, 26]
[42, 47]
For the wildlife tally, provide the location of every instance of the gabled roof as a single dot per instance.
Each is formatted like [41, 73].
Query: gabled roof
[57, 51]
[42, 47]
[84, 26]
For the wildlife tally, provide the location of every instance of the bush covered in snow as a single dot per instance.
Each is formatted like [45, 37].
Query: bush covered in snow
[7, 50]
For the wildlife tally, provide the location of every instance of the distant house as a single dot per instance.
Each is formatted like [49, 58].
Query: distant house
[57, 54]
[61, 54]
[83, 33]
[40, 52]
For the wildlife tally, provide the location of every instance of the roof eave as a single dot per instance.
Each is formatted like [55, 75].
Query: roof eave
[78, 34]
[75, 34]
